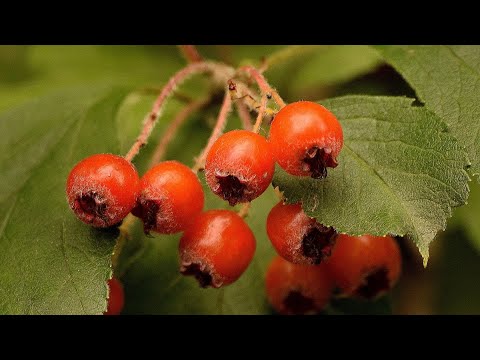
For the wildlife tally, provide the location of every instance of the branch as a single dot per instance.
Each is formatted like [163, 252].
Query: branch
[244, 115]
[219, 70]
[190, 53]
[261, 113]
[172, 129]
[216, 133]
[264, 86]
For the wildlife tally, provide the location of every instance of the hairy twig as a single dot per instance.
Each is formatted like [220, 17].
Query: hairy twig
[244, 115]
[216, 133]
[190, 53]
[264, 86]
[219, 70]
[172, 129]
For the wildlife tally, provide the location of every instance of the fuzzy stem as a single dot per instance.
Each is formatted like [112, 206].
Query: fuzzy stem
[216, 133]
[278, 193]
[287, 54]
[261, 113]
[175, 80]
[244, 115]
[190, 53]
[172, 129]
[243, 212]
[263, 84]
[239, 92]
[154, 90]
[122, 239]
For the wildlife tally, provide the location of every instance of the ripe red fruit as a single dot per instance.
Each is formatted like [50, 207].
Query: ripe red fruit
[297, 237]
[102, 189]
[170, 197]
[365, 266]
[116, 297]
[306, 138]
[297, 289]
[217, 248]
[239, 166]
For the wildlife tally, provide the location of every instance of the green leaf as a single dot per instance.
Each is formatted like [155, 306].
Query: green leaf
[447, 80]
[335, 64]
[299, 71]
[47, 68]
[13, 59]
[399, 172]
[50, 262]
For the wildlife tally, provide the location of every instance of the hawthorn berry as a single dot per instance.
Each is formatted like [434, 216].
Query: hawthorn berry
[216, 248]
[170, 197]
[102, 189]
[297, 289]
[365, 266]
[239, 166]
[116, 297]
[306, 138]
[297, 237]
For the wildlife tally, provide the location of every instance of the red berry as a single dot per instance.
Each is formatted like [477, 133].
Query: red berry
[102, 189]
[297, 289]
[297, 237]
[239, 166]
[116, 297]
[365, 266]
[306, 138]
[217, 248]
[170, 197]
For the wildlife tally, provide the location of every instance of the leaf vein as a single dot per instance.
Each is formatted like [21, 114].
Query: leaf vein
[389, 189]
[67, 264]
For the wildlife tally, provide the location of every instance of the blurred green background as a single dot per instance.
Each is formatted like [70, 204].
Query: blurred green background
[317, 72]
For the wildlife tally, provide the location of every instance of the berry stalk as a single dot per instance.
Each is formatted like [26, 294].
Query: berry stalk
[261, 113]
[172, 129]
[264, 86]
[217, 131]
[244, 210]
[241, 94]
[190, 53]
[244, 115]
[220, 71]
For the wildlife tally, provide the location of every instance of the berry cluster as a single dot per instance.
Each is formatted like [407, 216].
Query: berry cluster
[217, 246]
[361, 267]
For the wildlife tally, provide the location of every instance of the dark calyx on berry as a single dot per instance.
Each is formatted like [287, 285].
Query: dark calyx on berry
[317, 160]
[147, 210]
[203, 277]
[375, 283]
[296, 303]
[232, 189]
[318, 242]
[92, 204]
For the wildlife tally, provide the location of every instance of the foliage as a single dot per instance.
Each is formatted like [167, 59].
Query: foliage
[402, 171]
